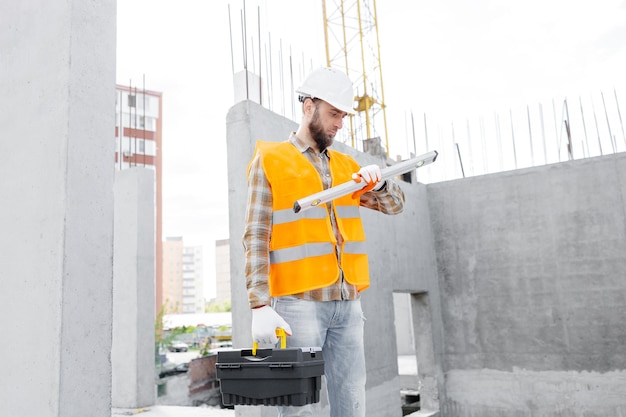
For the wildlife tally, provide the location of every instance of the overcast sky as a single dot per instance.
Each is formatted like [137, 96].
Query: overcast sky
[454, 60]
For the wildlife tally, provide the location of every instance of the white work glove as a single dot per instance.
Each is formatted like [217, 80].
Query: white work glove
[265, 320]
[371, 175]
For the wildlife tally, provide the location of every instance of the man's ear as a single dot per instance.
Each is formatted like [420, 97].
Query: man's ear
[308, 107]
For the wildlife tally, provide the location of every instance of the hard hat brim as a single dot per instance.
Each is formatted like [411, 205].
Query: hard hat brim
[346, 109]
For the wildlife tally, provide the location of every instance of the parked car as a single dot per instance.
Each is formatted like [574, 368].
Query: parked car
[178, 346]
[178, 369]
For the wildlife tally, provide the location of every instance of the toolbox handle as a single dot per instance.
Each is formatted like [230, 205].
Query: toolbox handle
[280, 333]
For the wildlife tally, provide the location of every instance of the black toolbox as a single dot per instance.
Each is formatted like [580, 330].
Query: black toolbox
[291, 376]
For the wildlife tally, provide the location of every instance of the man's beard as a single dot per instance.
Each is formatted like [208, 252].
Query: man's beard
[321, 138]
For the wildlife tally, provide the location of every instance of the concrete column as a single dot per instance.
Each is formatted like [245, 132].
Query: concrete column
[132, 355]
[57, 98]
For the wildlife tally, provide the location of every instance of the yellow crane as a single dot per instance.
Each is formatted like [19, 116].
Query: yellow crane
[353, 45]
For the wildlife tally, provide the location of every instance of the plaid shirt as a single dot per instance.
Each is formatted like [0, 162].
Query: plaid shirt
[258, 226]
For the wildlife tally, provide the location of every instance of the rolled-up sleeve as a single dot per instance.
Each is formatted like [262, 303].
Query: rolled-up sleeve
[257, 234]
[388, 200]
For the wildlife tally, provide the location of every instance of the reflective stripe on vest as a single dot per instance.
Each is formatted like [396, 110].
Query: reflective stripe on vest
[354, 248]
[348, 212]
[300, 252]
[318, 213]
[297, 253]
[288, 215]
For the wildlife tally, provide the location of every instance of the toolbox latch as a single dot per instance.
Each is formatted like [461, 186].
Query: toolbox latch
[280, 365]
[229, 365]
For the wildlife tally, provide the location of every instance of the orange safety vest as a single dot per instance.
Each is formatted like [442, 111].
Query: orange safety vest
[303, 245]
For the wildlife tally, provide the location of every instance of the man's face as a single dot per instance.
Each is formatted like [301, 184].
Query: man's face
[325, 123]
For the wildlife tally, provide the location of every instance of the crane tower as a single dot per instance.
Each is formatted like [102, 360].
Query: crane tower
[352, 45]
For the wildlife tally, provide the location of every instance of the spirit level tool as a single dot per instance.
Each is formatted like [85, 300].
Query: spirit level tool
[352, 186]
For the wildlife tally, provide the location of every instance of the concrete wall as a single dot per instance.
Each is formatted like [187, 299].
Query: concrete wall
[532, 265]
[132, 353]
[517, 286]
[57, 89]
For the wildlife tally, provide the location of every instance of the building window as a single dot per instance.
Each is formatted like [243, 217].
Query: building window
[147, 122]
[132, 101]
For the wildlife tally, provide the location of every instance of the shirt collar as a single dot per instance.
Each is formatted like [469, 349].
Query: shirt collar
[303, 147]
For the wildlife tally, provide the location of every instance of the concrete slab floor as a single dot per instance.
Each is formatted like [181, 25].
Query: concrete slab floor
[406, 365]
[173, 411]
[176, 411]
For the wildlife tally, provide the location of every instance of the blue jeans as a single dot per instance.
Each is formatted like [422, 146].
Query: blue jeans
[336, 327]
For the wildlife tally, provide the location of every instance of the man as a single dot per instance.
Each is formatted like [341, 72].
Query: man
[305, 271]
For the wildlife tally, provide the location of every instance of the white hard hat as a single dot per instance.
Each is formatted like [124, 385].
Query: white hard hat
[330, 85]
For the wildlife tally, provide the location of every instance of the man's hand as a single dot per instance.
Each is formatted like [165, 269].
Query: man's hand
[264, 323]
[371, 175]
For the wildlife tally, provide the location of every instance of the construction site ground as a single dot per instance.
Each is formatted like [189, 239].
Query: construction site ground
[406, 367]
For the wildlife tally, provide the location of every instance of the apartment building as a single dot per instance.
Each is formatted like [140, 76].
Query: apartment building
[183, 277]
[193, 280]
[222, 270]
